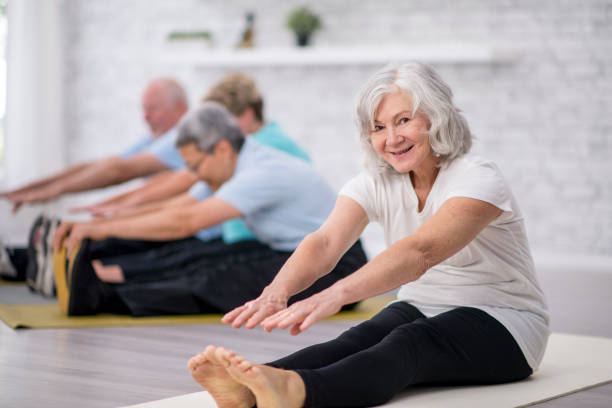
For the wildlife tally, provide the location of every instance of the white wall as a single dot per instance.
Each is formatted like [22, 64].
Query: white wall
[544, 117]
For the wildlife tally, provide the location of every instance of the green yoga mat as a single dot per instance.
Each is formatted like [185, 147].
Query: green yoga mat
[48, 315]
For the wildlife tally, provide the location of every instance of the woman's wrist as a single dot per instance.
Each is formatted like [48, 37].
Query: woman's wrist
[342, 293]
[276, 292]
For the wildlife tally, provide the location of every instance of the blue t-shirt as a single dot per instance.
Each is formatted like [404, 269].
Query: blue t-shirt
[203, 192]
[282, 198]
[164, 149]
[269, 135]
[137, 147]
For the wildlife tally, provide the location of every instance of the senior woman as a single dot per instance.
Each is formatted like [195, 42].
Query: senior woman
[469, 308]
[280, 198]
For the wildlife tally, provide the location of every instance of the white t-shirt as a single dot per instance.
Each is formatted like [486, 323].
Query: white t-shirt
[494, 272]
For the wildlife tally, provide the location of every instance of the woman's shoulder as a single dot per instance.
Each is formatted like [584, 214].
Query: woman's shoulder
[471, 164]
[470, 160]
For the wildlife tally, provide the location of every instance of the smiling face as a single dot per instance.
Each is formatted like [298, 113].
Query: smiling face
[400, 137]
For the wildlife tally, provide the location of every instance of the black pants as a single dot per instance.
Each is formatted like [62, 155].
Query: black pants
[154, 260]
[370, 363]
[179, 278]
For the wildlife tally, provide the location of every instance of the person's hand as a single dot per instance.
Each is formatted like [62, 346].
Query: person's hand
[79, 232]
[69, 234]
[60, 234]
[80, 209]
[253, 312]
[15, 198]
[16, 206]
[303, 314]
[107, 211]
[35, 196]
[96, 211]
[8, 194]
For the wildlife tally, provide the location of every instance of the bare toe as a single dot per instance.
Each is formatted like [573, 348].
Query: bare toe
[213, 376]
[272, 387]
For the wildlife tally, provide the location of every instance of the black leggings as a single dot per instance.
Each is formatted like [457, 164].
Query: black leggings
[371, 362]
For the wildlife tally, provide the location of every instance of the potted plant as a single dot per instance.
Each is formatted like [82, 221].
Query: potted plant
[303, 23]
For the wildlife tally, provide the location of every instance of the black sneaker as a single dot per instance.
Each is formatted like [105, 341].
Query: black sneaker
[35, 240]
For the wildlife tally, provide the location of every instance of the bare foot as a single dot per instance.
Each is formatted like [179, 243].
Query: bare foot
[272, 387]
[110, 273]
[210, 372]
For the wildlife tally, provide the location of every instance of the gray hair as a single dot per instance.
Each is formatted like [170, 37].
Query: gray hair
[449, 133]
[207, 125]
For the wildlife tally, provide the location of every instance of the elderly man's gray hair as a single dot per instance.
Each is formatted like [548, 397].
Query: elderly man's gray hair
[207, 125]
[449, 134]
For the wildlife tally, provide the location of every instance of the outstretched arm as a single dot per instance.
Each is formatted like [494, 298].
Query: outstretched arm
[455, 224]
[17, 196]
[102, 173]
[162, 186]
[111, 171]
[171, 222]
[316, 256]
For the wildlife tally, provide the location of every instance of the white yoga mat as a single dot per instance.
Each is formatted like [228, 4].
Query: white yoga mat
[571, 363]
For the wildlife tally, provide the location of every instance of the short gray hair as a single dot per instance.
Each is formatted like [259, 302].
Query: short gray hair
[449, 133]
[207, 125]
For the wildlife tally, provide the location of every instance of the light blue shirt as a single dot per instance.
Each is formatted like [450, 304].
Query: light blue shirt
[201, 191]
[270, 135]
[163, 148]
[137, 147]
[282, 198]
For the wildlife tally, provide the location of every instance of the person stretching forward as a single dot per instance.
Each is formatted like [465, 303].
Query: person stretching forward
[469, 309]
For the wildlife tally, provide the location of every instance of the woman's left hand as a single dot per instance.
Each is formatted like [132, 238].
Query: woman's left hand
[303, 314]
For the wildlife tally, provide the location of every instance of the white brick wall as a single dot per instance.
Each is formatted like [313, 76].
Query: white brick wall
[546, 118]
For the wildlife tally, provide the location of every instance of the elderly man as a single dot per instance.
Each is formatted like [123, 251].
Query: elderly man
[163, 103]
[240, 95]
[280, 198]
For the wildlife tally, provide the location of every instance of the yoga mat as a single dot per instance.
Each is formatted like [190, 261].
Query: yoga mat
[571, 363]
[38, 316]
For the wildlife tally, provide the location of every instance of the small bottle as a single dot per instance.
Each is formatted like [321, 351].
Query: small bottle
[248, 34]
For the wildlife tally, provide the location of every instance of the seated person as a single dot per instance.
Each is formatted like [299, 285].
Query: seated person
[240, 95]
[469, 309]
[280, 198]
[163, 104]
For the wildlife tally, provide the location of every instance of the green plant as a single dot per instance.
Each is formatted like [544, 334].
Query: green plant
[302, 21]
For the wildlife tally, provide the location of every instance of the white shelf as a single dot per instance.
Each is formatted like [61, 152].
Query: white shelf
[334, 56]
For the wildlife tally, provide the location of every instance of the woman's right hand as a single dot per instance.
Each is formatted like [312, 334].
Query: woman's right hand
[255, 311]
